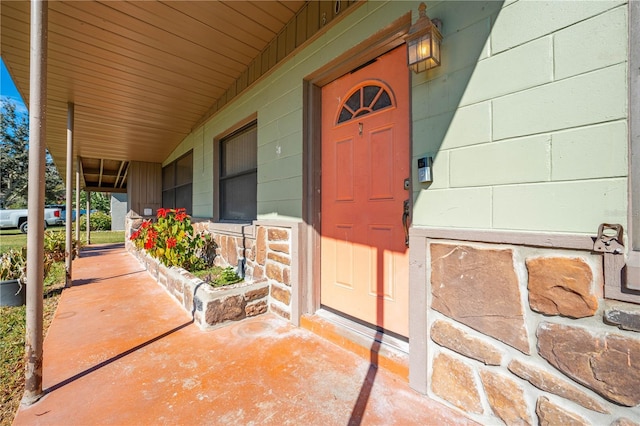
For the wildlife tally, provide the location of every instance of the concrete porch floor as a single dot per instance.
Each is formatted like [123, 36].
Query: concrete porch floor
[121, 351]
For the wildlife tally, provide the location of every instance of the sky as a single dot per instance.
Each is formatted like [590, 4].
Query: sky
[8, 89]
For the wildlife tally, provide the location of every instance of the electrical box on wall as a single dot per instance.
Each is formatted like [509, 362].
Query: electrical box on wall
[425, 166]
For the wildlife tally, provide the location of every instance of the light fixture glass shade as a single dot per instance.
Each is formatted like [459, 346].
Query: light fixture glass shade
[423, 43]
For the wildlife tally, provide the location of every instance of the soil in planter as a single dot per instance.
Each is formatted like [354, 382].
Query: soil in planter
[217, 276]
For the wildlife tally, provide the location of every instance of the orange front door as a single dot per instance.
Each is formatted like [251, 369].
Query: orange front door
[365, 161]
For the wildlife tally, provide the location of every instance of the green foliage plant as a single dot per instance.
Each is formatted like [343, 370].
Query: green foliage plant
[172, 240]
[218, 276]
[99, 221]
[13, 265]
[55, 243]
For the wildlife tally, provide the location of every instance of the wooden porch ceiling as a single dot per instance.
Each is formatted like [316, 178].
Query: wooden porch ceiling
[142, 74]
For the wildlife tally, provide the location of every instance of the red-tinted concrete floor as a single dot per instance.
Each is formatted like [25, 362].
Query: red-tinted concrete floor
[121, 351]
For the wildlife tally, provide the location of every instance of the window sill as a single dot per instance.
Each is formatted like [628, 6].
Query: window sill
[246, 229]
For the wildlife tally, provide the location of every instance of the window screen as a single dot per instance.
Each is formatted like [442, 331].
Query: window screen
[177, 184]
[238, 175]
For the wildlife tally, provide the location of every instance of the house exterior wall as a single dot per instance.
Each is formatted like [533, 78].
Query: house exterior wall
[526, 120]
[144, 191]
[118, 211]
[278, 101]
[527, 127]
[515, 123]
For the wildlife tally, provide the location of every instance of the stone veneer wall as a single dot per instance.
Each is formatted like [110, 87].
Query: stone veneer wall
[521, 335]
[266, 247]
[267, 253]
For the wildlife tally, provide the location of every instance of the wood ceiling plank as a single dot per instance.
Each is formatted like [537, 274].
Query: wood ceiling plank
[126, 54]
[145, 77]
[223, 19]
[294, 5]
[255, 15]
[124, 62]
[105, 92]
[275, 9]
[102, 21]
[184, 26]
[121, 118]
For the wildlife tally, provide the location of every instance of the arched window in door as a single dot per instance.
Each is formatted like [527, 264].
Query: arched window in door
[367, 97]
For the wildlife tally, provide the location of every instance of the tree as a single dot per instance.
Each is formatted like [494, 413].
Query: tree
[55, 191]
[100, 201]
[14, 156]
[14, 161]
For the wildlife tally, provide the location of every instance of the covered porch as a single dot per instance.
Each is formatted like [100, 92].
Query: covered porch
[121, 351]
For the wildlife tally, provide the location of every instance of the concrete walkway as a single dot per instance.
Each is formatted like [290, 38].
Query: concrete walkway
[121, 351]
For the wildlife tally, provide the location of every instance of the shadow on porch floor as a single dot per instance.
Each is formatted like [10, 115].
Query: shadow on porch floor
[121, 351]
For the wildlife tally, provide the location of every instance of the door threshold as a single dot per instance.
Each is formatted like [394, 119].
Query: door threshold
[382, 350]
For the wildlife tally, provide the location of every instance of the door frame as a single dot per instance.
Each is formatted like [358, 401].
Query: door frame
[379, 43]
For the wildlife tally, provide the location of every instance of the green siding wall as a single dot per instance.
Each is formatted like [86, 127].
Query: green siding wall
[525, 119]
[531, 136]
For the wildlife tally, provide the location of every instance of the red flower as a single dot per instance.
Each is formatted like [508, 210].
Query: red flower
[145, 224]
[171, 242]
[180, 216]
[162, 212]
[152, 233]
[149, 244]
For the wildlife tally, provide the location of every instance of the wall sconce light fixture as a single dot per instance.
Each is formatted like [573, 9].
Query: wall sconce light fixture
[423, 42]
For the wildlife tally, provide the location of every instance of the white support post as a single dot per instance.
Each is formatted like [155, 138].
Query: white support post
[88, 217]
[68, 254]
[35, 218]
[78, 200]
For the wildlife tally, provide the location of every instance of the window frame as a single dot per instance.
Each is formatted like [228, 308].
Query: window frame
[175, 185]
[218, 179]
[632, 270]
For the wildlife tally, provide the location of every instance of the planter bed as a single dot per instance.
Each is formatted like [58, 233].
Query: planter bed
[211, 307]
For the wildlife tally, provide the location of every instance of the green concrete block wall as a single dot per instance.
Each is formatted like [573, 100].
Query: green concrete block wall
[525, 119]
[539, 124]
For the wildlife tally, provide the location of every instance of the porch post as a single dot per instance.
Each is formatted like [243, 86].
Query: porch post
[88, 221]
[35, 218]
[68, 253]
[78, 199]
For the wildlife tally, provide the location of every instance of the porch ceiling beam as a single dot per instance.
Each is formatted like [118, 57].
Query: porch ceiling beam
[101, 170]
[115, 184]
[124, 177]
[105, 189]
[81, 171]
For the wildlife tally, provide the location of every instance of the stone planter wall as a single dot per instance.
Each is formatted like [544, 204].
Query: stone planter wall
[211, 307]
[522, 335]
[265, 249]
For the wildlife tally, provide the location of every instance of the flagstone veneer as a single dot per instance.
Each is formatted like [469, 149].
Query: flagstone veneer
[546, 381]
[625, 319]
[454, 381]
[550, 414]
[506, 398]
[561, 286]
[457, 340]
[607, 363]
[479, 288]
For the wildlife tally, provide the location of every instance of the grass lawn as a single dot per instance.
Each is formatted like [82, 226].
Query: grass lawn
[13, 238]
[12, 321]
